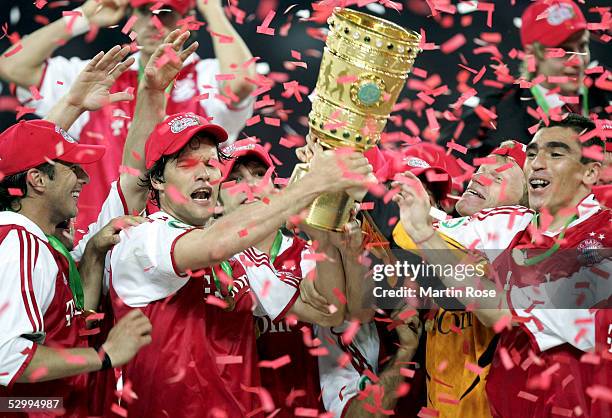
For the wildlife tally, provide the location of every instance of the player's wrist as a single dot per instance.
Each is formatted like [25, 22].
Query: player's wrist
[77, 21]
[106, 361]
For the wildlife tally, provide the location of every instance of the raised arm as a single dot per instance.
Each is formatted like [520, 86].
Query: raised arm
[91, 89]
[150, 110]
[25, 67]
[231, 55]
[409, 332]
[329, 172]
[414, 216]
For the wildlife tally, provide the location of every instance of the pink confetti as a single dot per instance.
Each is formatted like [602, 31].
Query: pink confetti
[339, 295]
[129, 24]
[453, 44]
[454, 146]
[175, 194]
[229, 360]
[305, 412]
[527, 396]
[505, 358]
[215, 301]
[350, 332]
[275, 364]
[473, 368]
[264, 28]
[502, 323]
[428, 413]
[600, 392]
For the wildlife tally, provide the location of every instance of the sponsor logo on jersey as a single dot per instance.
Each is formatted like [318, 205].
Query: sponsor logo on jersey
[589, 248]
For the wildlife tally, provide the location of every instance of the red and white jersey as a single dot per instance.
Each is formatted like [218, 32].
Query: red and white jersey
[202, 357]
[600, 407]
[488, 231]
[538, 369]
[195, 90]
[36, 307]
[278, 339]
[113, 207]
[343, 371]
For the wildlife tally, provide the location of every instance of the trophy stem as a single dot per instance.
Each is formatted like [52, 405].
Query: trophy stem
[330, 211]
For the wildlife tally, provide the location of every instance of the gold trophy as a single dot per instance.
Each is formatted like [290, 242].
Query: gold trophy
[363, 70]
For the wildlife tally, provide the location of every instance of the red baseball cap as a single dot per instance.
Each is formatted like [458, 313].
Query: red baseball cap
[175, 132]
[181, 6]
[516, 151]
[243, 148]
[31, 143]
[420, 161]
[551, 22]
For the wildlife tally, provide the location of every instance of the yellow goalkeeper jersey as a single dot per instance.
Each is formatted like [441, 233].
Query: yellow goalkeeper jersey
[459, 352]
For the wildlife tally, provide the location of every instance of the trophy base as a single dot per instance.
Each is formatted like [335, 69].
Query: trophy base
[330, 211]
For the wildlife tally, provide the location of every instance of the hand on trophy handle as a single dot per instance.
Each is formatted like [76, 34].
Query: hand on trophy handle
[305, 153]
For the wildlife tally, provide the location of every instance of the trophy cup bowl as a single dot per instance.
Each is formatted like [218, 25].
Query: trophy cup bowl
[364, 67]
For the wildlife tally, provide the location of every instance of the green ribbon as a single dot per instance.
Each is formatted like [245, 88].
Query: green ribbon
[74, 278]
[227, 269]
[539, 258]
[541, 100]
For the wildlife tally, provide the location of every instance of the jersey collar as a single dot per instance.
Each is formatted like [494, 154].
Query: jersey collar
[588, 207]
[14, 218]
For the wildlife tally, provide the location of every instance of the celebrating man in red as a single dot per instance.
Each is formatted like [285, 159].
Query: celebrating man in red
[43, 80]
[43, 298]
[536, 271]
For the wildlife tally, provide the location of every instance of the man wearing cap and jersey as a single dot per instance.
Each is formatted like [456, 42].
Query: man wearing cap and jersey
[42, 79]
[160, 268]
[555, 41]
[530, 276]
[249, 178]
[499, 181]
[41, 293]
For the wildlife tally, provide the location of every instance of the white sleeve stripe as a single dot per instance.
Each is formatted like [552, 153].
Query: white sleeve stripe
[258, 259]
[33, 242]
[27, 292]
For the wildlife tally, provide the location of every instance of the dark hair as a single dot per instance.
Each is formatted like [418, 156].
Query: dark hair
[580, 125]
[18, 182]
[156, 172]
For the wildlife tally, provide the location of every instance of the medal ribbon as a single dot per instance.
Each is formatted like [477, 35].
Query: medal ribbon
[74, 278]
[539, 258]
[541, 100]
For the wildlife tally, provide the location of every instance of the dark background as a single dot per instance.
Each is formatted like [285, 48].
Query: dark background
[442, 69]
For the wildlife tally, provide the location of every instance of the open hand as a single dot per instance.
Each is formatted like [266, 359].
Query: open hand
[91, 89]
[414, 205]
[167, 60]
